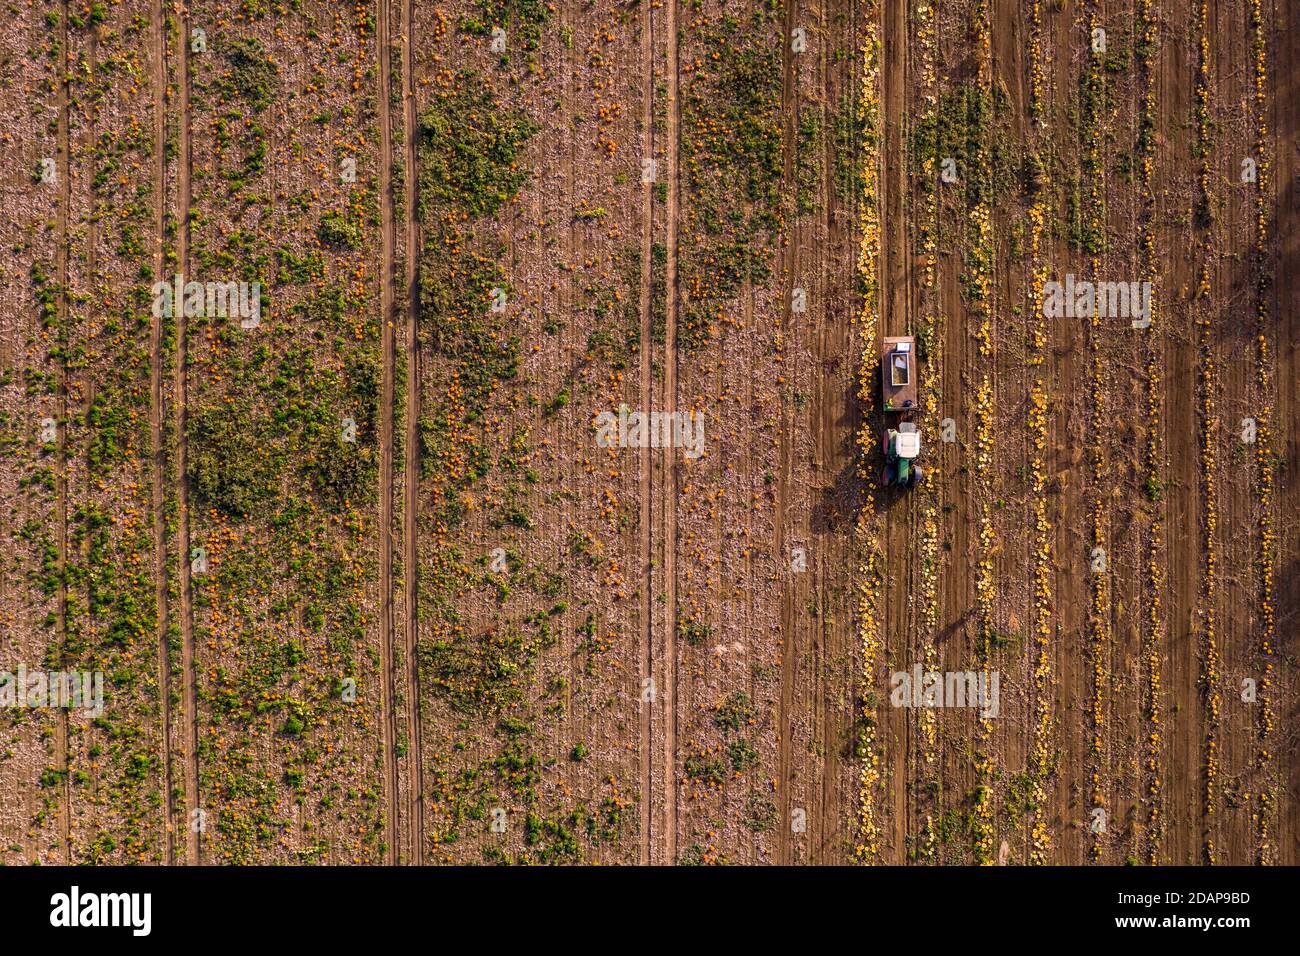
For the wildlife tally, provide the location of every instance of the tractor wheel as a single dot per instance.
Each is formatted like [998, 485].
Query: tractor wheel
[886, 479]
[916, 476]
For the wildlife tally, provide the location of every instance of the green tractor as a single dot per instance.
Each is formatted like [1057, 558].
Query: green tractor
[901, 447]
[898, 393]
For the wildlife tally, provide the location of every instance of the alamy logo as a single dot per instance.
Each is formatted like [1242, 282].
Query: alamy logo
[1105, 300]
[917, 688]
[60, 690]
[652, 430]
[213, 300]
[103, 909]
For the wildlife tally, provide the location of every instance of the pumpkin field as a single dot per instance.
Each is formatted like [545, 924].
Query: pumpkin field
[462, 432]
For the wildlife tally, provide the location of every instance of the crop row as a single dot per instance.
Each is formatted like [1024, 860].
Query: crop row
[1098, 615]
[1265, 459]
[1041, 758]
[931, 390]
[980, 270]
[1154, 632]
[866, 531]
[1208, 385]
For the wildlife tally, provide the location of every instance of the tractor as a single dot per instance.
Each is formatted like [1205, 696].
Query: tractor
[901, 446]
[898, 389]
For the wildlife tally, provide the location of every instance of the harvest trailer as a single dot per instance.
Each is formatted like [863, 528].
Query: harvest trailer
[898, 374]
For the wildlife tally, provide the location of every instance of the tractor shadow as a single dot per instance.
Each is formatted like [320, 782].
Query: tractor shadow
[839, 504]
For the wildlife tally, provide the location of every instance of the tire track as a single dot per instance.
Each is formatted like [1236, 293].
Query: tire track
[388, 334]
[789, 654]
[900, 505]
[1282, 300]
[159, 39]
[647, 574]
[1181, 437]
[832, 421]
[1240, 395]
[189, 657]
[831, 444]
[410, 568]
[954, 494]
[62, 213]
[671, 472]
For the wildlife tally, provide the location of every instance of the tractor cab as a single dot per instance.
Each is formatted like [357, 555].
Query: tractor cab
[907, 441]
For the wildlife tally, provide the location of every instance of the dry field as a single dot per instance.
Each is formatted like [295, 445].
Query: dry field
[330, 336]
